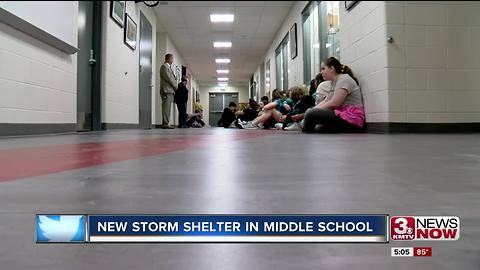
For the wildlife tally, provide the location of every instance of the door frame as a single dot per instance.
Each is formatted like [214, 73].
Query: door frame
[223, 97]
[151, 72]
[223, 100]
[97, 68]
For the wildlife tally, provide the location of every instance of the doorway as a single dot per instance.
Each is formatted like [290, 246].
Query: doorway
[145, 70]
[88, 66]
[217, 102]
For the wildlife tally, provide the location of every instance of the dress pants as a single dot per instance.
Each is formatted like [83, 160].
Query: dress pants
[167, 100]
[182, 114]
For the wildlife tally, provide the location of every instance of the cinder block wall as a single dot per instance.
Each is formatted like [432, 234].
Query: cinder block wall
[429, 74]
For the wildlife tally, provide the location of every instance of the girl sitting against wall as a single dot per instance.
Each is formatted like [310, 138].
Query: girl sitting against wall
[342, 110]
[314, 84]
[317, 93]
[273, 110]
[249, 113]
[304, 103]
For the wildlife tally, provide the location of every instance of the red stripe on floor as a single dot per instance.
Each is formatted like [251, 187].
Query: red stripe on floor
[30, 162]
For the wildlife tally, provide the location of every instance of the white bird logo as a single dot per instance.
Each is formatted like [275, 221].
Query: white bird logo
[62, 230]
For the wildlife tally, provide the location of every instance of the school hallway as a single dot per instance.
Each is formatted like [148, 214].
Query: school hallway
[231, 171]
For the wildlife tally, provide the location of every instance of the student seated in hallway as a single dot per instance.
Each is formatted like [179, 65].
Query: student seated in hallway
[195, 120]
[248, 114]
[314, 84]
[264, 99]
[322, 92]
[228, 116]
[273, 111]
[305, 102]
[294, 120]
[342, 110]
[261, 104]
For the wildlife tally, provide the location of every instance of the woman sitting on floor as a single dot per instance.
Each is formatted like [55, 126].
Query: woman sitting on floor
[228, 116]
[304, 103]
[274, 110]
[342, 110]
[249, 113]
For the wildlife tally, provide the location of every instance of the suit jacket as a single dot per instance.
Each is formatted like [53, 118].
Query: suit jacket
[181, 95]
[168, 82]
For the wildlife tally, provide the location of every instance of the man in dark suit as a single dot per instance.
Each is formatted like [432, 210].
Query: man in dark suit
[181, 98]
[168, 85]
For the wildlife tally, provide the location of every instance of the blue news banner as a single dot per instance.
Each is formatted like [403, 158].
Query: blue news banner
[212, 228]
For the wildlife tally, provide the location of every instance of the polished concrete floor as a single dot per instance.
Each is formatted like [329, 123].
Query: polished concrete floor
[215, 171]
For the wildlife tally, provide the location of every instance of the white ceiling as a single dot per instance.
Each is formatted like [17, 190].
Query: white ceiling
[251, 33]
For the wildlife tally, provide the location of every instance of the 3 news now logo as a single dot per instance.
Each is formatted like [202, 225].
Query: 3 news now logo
[424, 228]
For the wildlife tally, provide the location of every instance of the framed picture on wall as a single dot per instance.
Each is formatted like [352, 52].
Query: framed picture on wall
[117, 12]
[293, 41]
[130, 33]
[350, 4]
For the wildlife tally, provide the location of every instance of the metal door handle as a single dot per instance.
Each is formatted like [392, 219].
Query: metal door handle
[91, 61]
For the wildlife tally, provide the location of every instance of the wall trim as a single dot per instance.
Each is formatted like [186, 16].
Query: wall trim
[119, 126]
[391, 127]
[35, 32]
[13, 129]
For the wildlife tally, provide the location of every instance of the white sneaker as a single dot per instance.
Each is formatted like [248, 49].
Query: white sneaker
[278, 125]
[300, 125]
[250, 125]
[293, 127]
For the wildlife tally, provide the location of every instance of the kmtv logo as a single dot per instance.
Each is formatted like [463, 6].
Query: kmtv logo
[424, 228]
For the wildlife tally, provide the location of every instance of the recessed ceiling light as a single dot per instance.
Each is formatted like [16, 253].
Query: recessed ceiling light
[221, 17]
[222, 44]
[222, 79]
[223, 71]
[222, 60]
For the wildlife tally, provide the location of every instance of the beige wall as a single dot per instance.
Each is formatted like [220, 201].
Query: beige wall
[439, 60]
[38, 82]
[363, 41]
[431, 71]
[120, 67]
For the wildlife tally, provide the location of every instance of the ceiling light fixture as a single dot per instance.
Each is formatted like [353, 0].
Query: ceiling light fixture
[222, 79]
[221, 18]
[222, 44]
[223, 71]
[222, 60]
